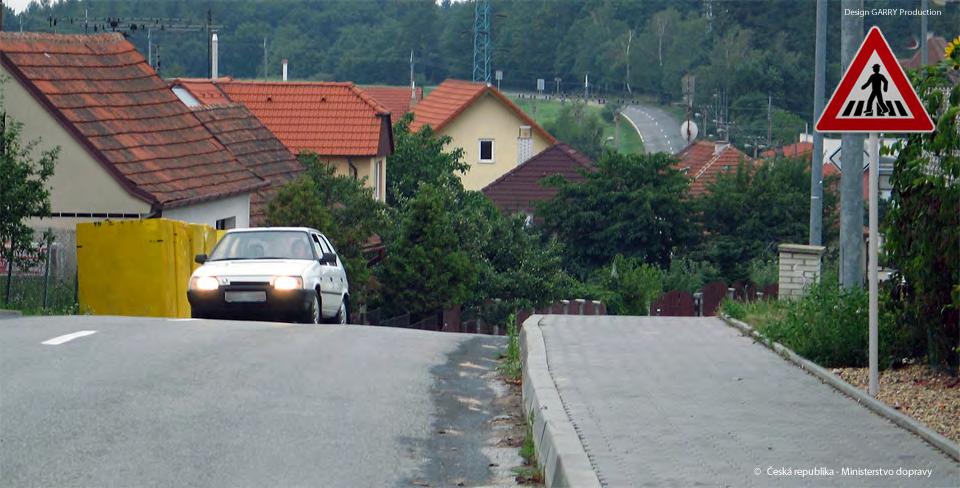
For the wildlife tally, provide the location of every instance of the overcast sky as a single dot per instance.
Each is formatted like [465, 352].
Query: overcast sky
[17, 5]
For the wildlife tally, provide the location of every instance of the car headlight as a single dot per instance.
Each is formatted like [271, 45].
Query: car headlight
[287, 283]
[205, 283]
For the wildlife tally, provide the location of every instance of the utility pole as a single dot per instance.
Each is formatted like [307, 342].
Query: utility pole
[586, 87]
[769, 121]
[816, 159]
[923, 33]
[627, 55]
[209, 42]
[851, 165]
[482, 42]
[265, 64]
[150, 46]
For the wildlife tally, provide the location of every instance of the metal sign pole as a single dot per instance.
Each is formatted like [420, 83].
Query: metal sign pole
[872, 265]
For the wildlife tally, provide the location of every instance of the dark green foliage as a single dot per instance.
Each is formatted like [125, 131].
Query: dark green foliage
[748, 212]
[923, 222]
[632, 205]
[426, 269]
[579, 128]
[421, 157]
[340, 207]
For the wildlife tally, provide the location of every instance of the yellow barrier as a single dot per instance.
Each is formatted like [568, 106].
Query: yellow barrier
[139, 267]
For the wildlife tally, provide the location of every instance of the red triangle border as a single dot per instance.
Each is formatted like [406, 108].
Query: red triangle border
[829, 121]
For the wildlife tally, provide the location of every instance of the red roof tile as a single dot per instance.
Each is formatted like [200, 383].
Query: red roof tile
[396, 99]
[936, 47]
[254, 146]
[452, 97]
[328, 118]
[103, 91]
[794, 150]
[205, 92]
[702, 162]
[520, 188]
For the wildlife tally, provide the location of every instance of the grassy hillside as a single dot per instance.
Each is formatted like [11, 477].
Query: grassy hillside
[544, 111]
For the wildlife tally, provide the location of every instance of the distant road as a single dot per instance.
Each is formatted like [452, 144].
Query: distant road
[659, 130]
[116, 401]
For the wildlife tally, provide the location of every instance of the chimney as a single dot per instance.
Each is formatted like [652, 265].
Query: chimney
[214, 61]
[719, 146]
[284, 70]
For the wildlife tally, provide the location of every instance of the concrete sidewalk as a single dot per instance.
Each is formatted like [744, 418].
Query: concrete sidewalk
[690, 401]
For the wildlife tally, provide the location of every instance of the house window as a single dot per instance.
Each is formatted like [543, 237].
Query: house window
[486, 150]
[227, 223]
[378, 180]
[526, 132]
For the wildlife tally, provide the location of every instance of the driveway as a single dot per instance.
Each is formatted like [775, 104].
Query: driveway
[658, 129]
[158, 402]
[670, 401]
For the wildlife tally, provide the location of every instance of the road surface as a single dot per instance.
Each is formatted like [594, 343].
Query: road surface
[158, 402]
[670, 401]
[658, 129]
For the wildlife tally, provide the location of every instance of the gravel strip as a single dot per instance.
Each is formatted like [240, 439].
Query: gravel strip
[926, 395]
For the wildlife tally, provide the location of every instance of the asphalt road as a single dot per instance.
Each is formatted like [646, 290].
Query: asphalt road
[671, 401]
[158, 402]
[658, 129]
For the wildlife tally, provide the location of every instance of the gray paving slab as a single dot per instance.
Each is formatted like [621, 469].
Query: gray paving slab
[664, 401]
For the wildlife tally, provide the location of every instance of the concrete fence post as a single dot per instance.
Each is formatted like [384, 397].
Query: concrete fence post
[698, 303]
[596, 307]
[566, 306]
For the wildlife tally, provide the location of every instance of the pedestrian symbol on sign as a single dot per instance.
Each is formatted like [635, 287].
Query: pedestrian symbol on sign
[875, 81]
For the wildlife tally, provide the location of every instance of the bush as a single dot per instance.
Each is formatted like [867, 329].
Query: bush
[763, 272]
[829, 326]
[689, 275]
[628, 286]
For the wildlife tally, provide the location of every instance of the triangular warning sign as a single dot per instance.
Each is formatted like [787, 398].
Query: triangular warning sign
[874, 94]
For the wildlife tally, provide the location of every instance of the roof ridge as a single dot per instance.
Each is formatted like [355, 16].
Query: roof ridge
[65, 38]
[369, 100]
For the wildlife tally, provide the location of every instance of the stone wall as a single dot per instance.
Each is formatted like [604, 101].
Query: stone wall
[799, 268]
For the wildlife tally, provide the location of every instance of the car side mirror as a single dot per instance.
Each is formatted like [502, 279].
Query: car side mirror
[328, 258]
[200, 258]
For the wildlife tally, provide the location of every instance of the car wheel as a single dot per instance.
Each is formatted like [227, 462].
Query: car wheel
[343, 315]
[312, 315]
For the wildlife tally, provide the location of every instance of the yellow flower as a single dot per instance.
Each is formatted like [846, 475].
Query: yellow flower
[952, 46]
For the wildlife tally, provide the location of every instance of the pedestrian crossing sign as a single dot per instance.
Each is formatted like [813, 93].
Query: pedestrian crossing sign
[874, 94]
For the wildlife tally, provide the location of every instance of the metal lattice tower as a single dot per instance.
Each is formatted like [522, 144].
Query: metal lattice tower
[482, 42]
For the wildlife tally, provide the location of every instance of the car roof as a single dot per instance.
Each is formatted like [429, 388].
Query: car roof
[274, 229]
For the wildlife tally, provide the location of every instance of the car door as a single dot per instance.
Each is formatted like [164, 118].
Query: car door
[329, 279]
[340, 271]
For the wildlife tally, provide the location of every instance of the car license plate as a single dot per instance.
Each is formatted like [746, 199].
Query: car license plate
[245, 296]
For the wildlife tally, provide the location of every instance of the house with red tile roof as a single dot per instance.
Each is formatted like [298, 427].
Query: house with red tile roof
[255, 147]
[936, 47]
[520, 188]
[496, 136]
[129, 148]
[703, 161]
[397, 99]
[344, 125]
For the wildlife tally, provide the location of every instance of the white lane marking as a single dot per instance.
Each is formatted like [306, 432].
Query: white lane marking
[56, 341]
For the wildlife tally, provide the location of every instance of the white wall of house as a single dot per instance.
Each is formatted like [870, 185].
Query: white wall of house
[237, 207]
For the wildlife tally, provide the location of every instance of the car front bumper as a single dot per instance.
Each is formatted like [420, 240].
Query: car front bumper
[279, 304]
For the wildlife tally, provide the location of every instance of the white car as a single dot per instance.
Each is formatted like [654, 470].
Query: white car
[273, 273]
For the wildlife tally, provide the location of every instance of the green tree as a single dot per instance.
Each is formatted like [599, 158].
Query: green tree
[579, 128]
[421, 157]
[339, 206]
[923, 223]
[634, 205]
[24, 192]
[746, 213]
[425, 268]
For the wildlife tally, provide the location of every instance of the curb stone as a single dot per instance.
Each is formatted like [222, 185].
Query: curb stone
[9, 314]
[559, 449]
[934, 438]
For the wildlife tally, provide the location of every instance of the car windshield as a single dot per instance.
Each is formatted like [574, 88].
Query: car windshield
[263, 245]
